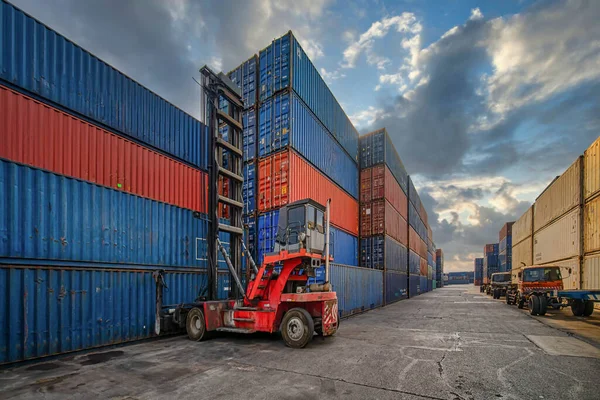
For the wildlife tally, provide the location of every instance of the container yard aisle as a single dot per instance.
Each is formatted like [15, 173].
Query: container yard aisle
[452, 343]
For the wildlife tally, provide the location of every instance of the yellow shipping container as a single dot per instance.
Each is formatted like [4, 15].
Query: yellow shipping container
[522, 253]
[560, 197]
[559, 240]
[591, 223]
[523, 227]
[591, 272]
[591, 160]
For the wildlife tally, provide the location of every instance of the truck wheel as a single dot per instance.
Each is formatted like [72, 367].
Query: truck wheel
[543, 305]
[588, 308]
[520, 301]
[297, 328]
[534, 304]
[577, 307]
[195, 324]
[507, 298]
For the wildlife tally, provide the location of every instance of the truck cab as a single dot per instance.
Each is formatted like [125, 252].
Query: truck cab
[537, 286]
[500, 282]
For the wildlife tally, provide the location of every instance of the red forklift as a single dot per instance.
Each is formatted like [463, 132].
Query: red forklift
[278, 296]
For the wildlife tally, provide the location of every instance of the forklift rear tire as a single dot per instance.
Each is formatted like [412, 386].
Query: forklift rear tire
[588, 308]
[195, 325]
[297, 328]
[543, 305]
[578, 308]
[534, 304]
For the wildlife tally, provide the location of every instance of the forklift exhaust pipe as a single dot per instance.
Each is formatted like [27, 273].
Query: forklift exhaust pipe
[327, 244]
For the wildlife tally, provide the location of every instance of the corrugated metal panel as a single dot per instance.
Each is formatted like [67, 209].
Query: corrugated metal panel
[490, 266]
[286, 177]
[284, 57]
[505, 231]
[52, 217]
[424, 218]
[591, 221]
[413, 240]
[414, 263]
[591, 168]
[413, 195]
[560, 197]
[415, 221]
[521, 253]
[386, 186]
[478, 268]
[286, 121]
[491, 248]
[249, 188]
[358, 289]
[396, 286]
[383, 252]
[572, 280]
[423, 266]
[366, 185]
[505, 244]
[559, 240]
[39, 60]
[422, 288]
[377, 148]
[591, 272]
[246, 78]
[44, 137]
[413, 285]
[380, 217]
[523, 227]
[250, 134]
[58, 310]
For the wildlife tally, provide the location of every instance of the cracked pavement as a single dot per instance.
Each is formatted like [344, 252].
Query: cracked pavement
[452, 343]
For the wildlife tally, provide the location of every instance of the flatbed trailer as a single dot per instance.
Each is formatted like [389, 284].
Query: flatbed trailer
[581, 301]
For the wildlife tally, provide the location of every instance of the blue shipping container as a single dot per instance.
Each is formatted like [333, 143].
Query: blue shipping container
[396, 286]
[249, 188]
[44, 216]
[54, 310]
[414, 220]
[358, 289]
[413, 285]
[284, 120]
[414, 263]
[246, 78]
[422, 284]
[377, 148]
[413, 194]
[383, 252]
[284, 64]
[39, 60]
[478, 268]
[490, 265]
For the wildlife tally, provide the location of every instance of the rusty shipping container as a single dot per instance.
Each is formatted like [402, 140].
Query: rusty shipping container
[377, 182]
[286, 177]
[591, 223]
[414, 241]
[591, 160]
[523, 227]
[380, 217]
[560, 197]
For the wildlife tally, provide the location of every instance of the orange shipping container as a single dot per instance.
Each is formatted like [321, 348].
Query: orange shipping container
[380, 217]
[414, 241]
[423, 249]
[423, 214]
[286, 177]
[423, 266]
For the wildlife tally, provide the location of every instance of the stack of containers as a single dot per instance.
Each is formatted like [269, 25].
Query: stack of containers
[417, 243]
[591, 220]
[459, 278]
[490, 261]
[430, 259]
[433, 267]
[308, 149]
[505, 247]
[103, 183]
[478, 269]
[439, 267]
[383, 205]
[557, 228]
[522, 250]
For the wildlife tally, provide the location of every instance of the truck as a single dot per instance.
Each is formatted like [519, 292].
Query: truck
[500, 282]
[541, 286]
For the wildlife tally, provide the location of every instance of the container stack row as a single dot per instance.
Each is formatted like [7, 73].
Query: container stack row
[491, 263]
[103, 183]
[505, 247]
[478, 270]
[439, 268]
[459, 278]
[431, 260]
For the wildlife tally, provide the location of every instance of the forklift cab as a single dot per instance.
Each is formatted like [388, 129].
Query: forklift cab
[301, 226]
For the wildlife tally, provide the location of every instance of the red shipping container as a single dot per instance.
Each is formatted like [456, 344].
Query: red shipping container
[488, 248]
[423, 214]
[378, 182]
[506, 230]
[423, 249]
[414, 241]
[380, 217]
[366, 187]
[429, 233]
[423, 267]
[36, 134]
[285, 177]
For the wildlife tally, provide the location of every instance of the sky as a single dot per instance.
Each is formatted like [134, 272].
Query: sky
[486, 102]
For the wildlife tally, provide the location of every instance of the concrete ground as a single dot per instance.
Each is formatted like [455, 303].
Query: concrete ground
[452, 343]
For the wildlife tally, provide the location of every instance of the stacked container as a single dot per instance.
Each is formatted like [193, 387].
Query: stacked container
[459, 278]
[103, 184]
[478, 270]
[439, 267]
[522, 251]
[383, 213]
[505, 247]
[417, 240]
[590, 277]
[490, 261]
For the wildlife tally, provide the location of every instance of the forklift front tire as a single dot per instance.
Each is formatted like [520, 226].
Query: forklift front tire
[195, 325]
[297, 328]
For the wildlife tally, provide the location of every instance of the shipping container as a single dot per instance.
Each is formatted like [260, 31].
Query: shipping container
[422, 288]
[285, 121]
[505, 244]
[285, 65]
[249, 188]
[491, 248]
[383, 252]
[56, 310]
[414, 263]
[245, 77]
[591, 168]
[38, 60]
[44, 137]
[505, 231]
[591, 223]
[414, 220]
[571, 280]
[379, 217]
[343, 246]
[478, 268]
[523, 227]
[424, 218]
[286, 177]
[396, 286]
[377, 182]
[560, 197]
[414, 241]
[490, 266]
[413, 285]
[249, 134]
[377, 148]
[590, 277]
[413, 195]
[559, 240]
[522, 253]
[358, 289]
[422, 266]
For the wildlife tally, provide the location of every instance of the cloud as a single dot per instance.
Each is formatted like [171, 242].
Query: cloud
[476, 14]
[329, 77]
[366, 117]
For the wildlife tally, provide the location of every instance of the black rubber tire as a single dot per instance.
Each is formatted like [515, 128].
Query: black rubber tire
[577, 307]
[195, 325]
[293, 320]
[588, 308]
[507, 299]
[543, 305]
[534, 304]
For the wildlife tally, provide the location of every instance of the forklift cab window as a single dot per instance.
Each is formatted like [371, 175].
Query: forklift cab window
[310, 217]
[320, 222]
[295, 223]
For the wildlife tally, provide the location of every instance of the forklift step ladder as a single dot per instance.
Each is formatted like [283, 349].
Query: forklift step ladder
[222, 107]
